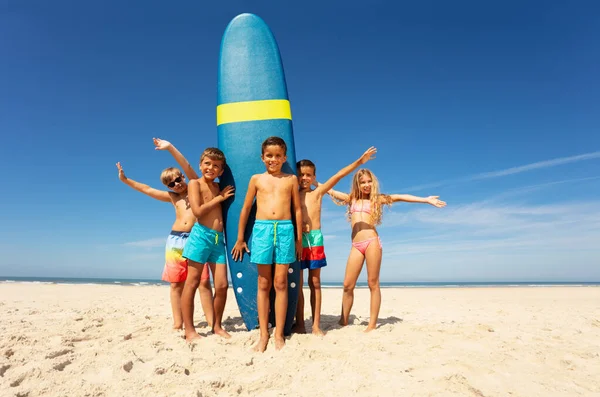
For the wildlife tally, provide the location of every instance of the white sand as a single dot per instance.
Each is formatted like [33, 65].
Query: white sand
[91, 340]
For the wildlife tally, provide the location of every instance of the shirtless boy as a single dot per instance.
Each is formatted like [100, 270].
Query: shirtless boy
[206, 242]
[274, 240]
[176, 268]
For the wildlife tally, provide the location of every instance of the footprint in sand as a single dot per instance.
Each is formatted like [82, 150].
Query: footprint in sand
[61, 366]
[59, 353]
[3, 370]
[18, 381]
[72, 339]
[18, 378]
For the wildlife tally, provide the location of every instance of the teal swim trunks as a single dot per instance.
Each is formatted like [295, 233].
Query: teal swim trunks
[273, 242]
[205, 245]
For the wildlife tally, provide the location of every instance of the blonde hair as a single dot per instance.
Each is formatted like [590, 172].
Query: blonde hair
[377, 199]
[169, 174]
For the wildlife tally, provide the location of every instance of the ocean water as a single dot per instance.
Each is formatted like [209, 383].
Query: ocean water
[324, 284]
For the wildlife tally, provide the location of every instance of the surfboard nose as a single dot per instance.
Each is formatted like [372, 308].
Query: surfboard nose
[249, 52]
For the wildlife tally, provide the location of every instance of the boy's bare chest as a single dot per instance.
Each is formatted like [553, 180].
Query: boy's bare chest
[309, 200]
[208, 192]
[273, 188]
[182, 204]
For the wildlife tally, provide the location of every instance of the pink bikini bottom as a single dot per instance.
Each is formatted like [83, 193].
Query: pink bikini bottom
[363, 245]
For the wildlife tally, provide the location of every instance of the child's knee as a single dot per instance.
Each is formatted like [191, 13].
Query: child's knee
[192, 283]
[264, 284]
[280, 283]
[221, 286]
[373, 282]
[177, 287]
[314, 283]
[349, 286]
[204, 284]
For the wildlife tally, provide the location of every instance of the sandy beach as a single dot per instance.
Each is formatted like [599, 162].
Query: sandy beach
[102, 340]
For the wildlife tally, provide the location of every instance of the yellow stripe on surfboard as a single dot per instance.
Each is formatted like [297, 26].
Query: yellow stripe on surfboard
[237, 112]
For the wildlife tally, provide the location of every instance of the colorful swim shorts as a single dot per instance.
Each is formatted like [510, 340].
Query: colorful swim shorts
[273, 242]
[176, 266]
[205, 246]
[313, 252]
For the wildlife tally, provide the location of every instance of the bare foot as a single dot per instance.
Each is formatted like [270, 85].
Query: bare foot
[261, 346]
[222, 333]
[298, 329]
[177, 327]
[317, 331]
[342, 322]
[192, 336]
[279, 343]
[370, 328]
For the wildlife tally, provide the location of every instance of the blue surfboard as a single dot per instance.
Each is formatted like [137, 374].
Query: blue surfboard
[252, 105]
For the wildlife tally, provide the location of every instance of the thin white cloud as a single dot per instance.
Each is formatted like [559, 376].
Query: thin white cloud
[490, 227]
[149, 243]
[500, 238]
[510, 171]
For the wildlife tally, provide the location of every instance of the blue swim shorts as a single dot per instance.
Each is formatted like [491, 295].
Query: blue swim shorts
[205, 245]
[273, 242]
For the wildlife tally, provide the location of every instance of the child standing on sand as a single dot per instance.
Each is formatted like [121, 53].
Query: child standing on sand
[206, 242]
[313, 253]
[274, 240]
[365, 209]
[176, 268]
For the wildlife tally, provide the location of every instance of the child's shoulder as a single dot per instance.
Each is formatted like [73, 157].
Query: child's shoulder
[285, 175]
[204, 184]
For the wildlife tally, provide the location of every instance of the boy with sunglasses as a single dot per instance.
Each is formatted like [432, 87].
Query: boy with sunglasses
[176, 266]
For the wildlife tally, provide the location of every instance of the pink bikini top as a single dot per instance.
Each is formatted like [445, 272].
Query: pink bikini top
[364, 206]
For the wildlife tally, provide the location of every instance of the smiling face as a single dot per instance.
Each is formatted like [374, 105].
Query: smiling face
[177, 184]
[211, 169]
[365, 184]
[274, 157]
[306, 176]
[173, 179]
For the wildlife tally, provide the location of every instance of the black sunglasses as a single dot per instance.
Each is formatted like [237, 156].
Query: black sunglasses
[176, 180]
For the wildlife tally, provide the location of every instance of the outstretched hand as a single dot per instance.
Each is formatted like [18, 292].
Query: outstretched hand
[161, 144]
[238, 250]
[227, 192]
[121, 172]
[368, 155]
[435, 201]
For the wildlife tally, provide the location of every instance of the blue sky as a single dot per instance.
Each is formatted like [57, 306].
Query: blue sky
[494, 107]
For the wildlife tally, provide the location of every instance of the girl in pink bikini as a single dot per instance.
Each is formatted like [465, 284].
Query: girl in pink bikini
[365, 209]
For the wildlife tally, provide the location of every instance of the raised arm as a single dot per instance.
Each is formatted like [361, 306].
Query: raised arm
[298, 216]
[240, 245]
[199, 207]
[188, 170]
[331, 182]
[339, 197]
[143, 188]
[432, 200]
